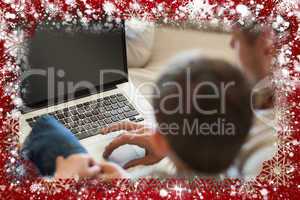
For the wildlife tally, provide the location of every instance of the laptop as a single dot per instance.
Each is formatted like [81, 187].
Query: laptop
[79, 76]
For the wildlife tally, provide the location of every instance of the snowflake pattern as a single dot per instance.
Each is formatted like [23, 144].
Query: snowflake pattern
[15, 44]
[35, 187]
[109, 8]
[11, 125]
[179, 190]
[248, 189]
[280, 24]
[18, 5]
[281, 105]
[52, 8]
[199, 9]
[285, 141]
[50, 186]
[287, 6]
[3, 24]
[277, 171]
[2, 62]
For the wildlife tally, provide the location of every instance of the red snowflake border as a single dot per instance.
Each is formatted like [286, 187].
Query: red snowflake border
[279, 178]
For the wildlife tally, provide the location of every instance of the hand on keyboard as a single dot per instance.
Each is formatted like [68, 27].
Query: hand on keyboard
[86, 119]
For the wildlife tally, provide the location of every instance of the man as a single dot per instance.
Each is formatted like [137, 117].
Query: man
[252, 44]
[202, 120]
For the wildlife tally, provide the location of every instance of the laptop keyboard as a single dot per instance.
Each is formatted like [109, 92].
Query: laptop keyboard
[86, 119]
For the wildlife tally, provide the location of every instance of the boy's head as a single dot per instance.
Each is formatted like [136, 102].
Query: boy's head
[203, 112]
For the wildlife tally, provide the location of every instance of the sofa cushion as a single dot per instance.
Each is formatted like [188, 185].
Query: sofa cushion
[168, 42]
[139, 42]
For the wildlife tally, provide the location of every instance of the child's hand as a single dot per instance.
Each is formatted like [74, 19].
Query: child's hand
[76, 166]
[112, 171]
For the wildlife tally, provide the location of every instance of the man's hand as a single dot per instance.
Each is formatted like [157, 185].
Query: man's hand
[135, 134]
[112, 171]
[76, 166]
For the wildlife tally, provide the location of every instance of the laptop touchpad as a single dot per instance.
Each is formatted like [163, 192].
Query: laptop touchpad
[126, 153]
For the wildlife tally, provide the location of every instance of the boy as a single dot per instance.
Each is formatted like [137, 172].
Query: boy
[203, 114]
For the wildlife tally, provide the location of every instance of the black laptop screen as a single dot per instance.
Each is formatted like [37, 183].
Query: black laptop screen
[67, 63]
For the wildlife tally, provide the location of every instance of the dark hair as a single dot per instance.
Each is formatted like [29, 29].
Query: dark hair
[209, 152]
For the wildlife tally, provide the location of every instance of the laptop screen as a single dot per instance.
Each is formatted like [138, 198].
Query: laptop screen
[70, 62]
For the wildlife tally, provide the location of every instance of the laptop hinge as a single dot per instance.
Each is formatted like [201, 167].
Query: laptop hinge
[25, 110]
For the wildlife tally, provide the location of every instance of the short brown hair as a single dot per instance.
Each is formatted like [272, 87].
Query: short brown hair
[204, 153]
